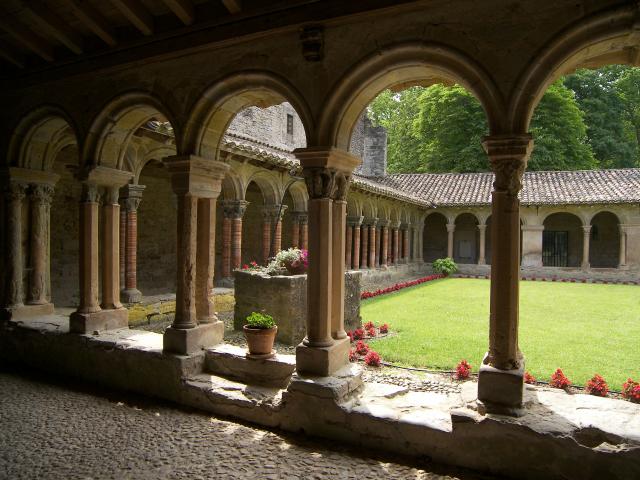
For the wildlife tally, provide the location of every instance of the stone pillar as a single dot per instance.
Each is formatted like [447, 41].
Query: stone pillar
[295, 230]
[233, 211]
[226, 243]
[41, 196]
[14, 196]
[354, 223]
[348, 247]
[586, 238]
[272, 230]
[304, 232]
[123, 244]
[378, 246]
[372, 243]
[532, 245]
[197, 183]
[451, 228]
[364, 245]
[266, 236]
[405, 243]
[132, 197]
[500, 382]
[482, 229]
[111, 251]
[396, 244]
[622, 261]
[384, 242]
[327, 175]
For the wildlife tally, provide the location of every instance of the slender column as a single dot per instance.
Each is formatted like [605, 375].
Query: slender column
[205, 260]
[348, 246]
[622, 261]
[354, 223]
[482, 228]
[405, 243]
[185, 316]
[226, 245]
[372, 243]
[123, 241]
[396, 244]
[133, 197]
[500, 385]
[295, 232]
[364, 246]
[14, 197]
[339, 217]
[304, 232]
[236, 233]
[390, 246]
[266, 237]
[384, 242]
[89, 249]
[111, 250]
[272, 229]
[451, 228]
[586, 238]
[41, 196]
[378, 246]
[233, 211]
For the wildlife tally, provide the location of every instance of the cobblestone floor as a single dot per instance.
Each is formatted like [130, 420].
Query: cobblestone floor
[50, 429]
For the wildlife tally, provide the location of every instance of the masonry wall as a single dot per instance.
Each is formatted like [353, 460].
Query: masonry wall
[370, 143]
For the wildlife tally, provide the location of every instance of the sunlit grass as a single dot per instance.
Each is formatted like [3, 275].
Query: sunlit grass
[581, 328]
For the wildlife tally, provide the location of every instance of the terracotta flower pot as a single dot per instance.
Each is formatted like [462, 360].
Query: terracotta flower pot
[260, 341]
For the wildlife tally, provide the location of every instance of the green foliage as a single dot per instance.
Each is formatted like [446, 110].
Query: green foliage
[445, 266]
[260, 320]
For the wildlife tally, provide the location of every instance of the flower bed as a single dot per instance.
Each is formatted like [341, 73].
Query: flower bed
[400, 286]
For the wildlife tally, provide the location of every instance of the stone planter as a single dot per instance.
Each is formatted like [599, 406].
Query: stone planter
[285, 298]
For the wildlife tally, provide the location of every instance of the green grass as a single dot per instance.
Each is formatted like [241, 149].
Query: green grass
[581, 328]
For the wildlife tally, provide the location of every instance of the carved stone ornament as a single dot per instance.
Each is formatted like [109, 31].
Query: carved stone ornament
[90, 193]
[131, 204]
[111, 195]
[321, 182]
[234, 208]
[42, 194]
[300, 218]
[15, 191]
[355, 221]
[509, 173]
[343, 181]
[508, 155]
[312, 38]
[271, 212]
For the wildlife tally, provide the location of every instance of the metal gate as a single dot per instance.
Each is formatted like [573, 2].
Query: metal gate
[555, 249]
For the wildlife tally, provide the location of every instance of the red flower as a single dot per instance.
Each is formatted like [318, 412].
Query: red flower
[368, 325]
[358, 334]
[371, 332]
[372, 359]
[350, 335]
[463, 369]
[559, 380]
[597, 386]
[631, 390]
[362, 348]
[384, 328]
[528, 378]
[245, 267]
[353, 357]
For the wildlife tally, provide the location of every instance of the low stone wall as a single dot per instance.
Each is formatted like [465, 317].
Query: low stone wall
[285, 298]
[593, 274]
[375, 278]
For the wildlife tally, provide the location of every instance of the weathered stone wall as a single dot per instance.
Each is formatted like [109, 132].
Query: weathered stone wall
[285, 298]
[370, 143]
[372, 279]
[434, 243]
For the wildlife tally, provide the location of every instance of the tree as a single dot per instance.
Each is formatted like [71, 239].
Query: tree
[628, 87]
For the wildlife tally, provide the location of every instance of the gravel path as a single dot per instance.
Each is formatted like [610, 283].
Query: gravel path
[55, 430]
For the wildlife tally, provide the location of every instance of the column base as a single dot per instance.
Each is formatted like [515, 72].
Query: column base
[132, 295]
[500, 391]
[190, 340]
[112, 319]
[322, 361]
[26, 311]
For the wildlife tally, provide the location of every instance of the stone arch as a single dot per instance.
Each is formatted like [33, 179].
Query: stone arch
[434, 245]
[604, 240]
[40, 136]
[111, 130]
[467, 212]
[300, 196]
[466, 238]
[354, 207]
[268, 186]
[217, 106]
[562, 243]
[369, 209]
[233, 187]
[154, 154]
[601, 39]
[398, 66]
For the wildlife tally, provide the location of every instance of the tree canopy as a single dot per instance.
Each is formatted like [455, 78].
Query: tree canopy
[587, 120]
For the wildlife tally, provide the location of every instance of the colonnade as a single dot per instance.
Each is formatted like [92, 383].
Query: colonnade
[378, 243]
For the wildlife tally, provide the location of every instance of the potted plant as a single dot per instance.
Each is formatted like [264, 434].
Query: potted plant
[260, 332]
[293, 261]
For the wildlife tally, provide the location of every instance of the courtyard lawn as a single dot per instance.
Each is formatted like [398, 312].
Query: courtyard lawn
[581, 328]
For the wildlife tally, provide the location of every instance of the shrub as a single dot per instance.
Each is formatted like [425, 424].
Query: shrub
[372, 359]
[350, 335]
[445, 266]
[292, 260]
[597, 386]
[528, 378]
[358, 334]
[362, 348]
[559, 380]
[631, 390]
[371, 332]
[463, 369]
[353, 356]
[368, 325]
[260, 320]
[384, 328]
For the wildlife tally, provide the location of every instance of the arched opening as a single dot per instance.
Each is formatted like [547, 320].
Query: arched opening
[562, 240]
[434, 237]
[604, 248]
[253, 249]
[287, 221]
[466, 239]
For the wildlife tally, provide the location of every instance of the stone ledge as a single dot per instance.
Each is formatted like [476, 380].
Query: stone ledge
[342, 383]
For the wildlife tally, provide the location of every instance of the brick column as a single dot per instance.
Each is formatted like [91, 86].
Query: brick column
[197, 183]
[304, 231]
[123, 244]
[226, 244]
[233, 211]
[384, 242]
[396, 244]
[586, 238]
[266, 238]
[372, 243]
[364, 245]
[14, 195]
[295, 231]
[405, 243]
[132, 196]
[272, 229]
[41, 196]
[378, 245]
[500, 382]
[355, 223]
[348, 247]
[111, 250]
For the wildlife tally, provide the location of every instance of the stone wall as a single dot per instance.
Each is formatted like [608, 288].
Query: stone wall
[285, 298]
[372, 279]
[370, 143]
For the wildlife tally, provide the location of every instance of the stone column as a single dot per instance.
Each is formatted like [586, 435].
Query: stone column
[327, 175]
[532, 245]
[266, 235]
[372, 243]
[277, 235]
[132, 198]
[14, 196]
[384, 242]
[41, 196]
[89, 213]
[354, 223]
[111, 251]
[364, 245]
[295, 230]
[622, 261]
[396, 244]
[482, 228]
[405, 243]
[451, 228]
[348, 247]
[226, 243]
[123, 244]
[586, 237]
[233, 211]
[378, 246]
[500, 382]
[304, 232]
[197, 183]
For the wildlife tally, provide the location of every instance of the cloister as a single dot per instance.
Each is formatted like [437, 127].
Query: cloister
[179, 149]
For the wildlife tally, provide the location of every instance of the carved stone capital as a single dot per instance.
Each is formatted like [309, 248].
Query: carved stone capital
[234, 208]
[370, 222]
[508, 155]
[131, 204]
[405, 226]
[343, 182]
[383, 222]
[15, 191]
[321, 182]
[271, 212]
[586, 229]
[300, 218]
[110, 196]
[451, 227]
[355, 221]
[42, 194]
[90, 193]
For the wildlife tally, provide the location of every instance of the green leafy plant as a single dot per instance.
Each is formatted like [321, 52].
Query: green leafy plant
[445, 266]
[260, 320]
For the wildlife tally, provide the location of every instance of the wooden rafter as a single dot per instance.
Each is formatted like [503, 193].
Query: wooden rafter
[51, 23]
[93, 21]
[28, 39]
[183, 9]
[137, 14]
[234, 6]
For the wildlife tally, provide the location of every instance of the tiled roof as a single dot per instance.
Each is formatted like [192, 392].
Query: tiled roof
[539, 188]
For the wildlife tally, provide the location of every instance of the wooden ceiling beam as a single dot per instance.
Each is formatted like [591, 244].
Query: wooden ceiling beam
[234, 6]
[95, 22]
[183, 9]
[137, 14]
[28, 39]
[52, 24]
